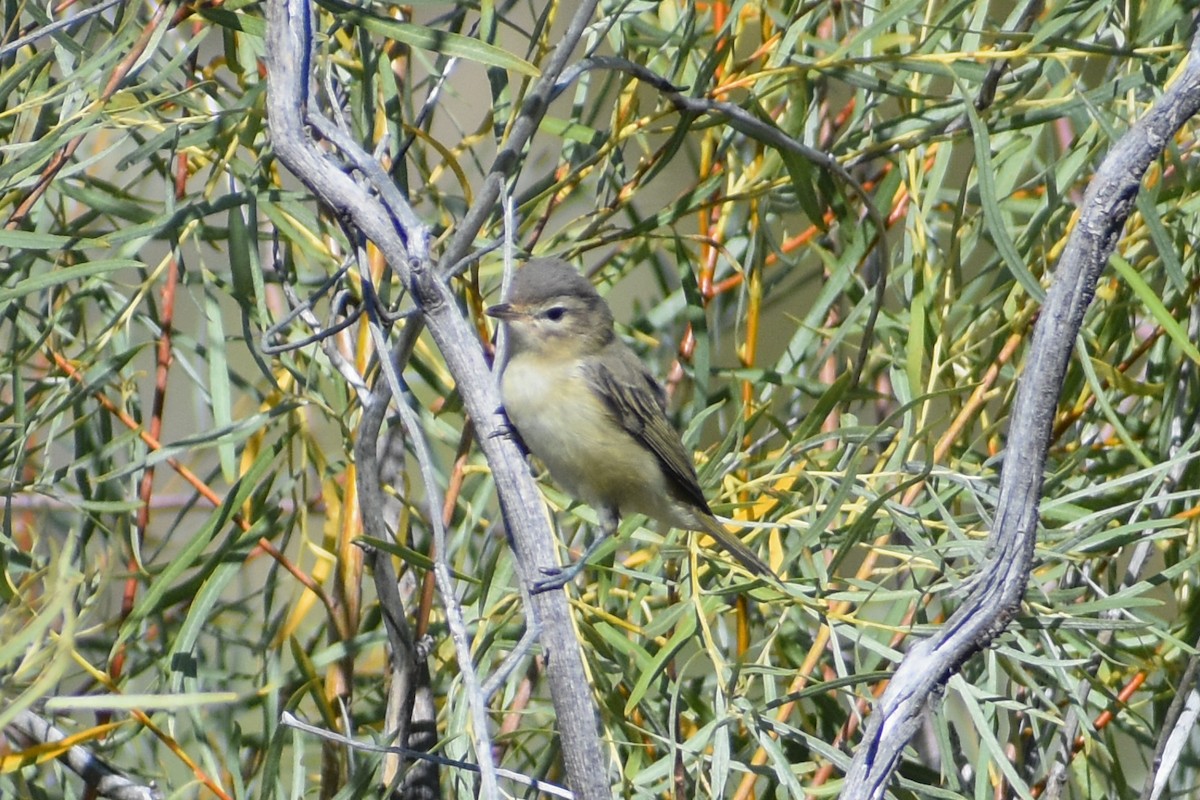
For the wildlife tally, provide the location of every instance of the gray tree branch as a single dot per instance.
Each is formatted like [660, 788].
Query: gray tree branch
[997, 595]
[106, 781]
[383, 216]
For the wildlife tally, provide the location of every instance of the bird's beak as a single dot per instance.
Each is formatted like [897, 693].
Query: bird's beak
[503, 311]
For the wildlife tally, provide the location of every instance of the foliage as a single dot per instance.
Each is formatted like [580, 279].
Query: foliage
[177, 449]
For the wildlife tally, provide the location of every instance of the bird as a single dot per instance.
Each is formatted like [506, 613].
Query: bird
[584, 403]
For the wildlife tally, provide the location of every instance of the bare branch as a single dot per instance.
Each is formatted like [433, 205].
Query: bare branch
[386, 221]
[997, 595]
[402, 691]
[96, 773]
[480, 735]
[293, 721]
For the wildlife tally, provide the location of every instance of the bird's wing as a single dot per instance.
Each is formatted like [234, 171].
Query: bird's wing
[638, 403]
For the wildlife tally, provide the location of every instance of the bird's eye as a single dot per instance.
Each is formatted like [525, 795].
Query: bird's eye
[556, 313]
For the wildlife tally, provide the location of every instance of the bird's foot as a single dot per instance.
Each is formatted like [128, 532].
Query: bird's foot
[558, 577]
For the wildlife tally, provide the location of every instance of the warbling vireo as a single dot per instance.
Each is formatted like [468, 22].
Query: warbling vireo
[587, 407]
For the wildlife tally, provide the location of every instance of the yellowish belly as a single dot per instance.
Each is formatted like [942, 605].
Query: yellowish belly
[569, 428]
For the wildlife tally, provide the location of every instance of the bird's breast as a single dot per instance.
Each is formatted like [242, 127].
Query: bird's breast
[569, 427]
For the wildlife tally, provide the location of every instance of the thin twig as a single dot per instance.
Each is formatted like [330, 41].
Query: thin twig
[402, 690]
[70, 22]
[290, 720]
[480, 733]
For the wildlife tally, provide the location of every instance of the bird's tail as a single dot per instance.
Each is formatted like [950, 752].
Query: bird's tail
[736, 548]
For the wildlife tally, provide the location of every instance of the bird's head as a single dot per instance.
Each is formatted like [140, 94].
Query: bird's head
[552, 310]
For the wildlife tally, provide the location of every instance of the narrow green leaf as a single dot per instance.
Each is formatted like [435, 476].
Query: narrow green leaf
[682, 635]
[199, 613]
[255, 264]
[1122, 382]
[916, 347]
[805, 186]
[219, 390]
[993, 216]
[61, 275]
[1113, 417]
[146, 702]
[1155, 306]
[255, 26]
[438, 41]
[571, 130]
[1164, 247]
[991, 751]
[240, 268]
[34, 240]
[187, 557]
